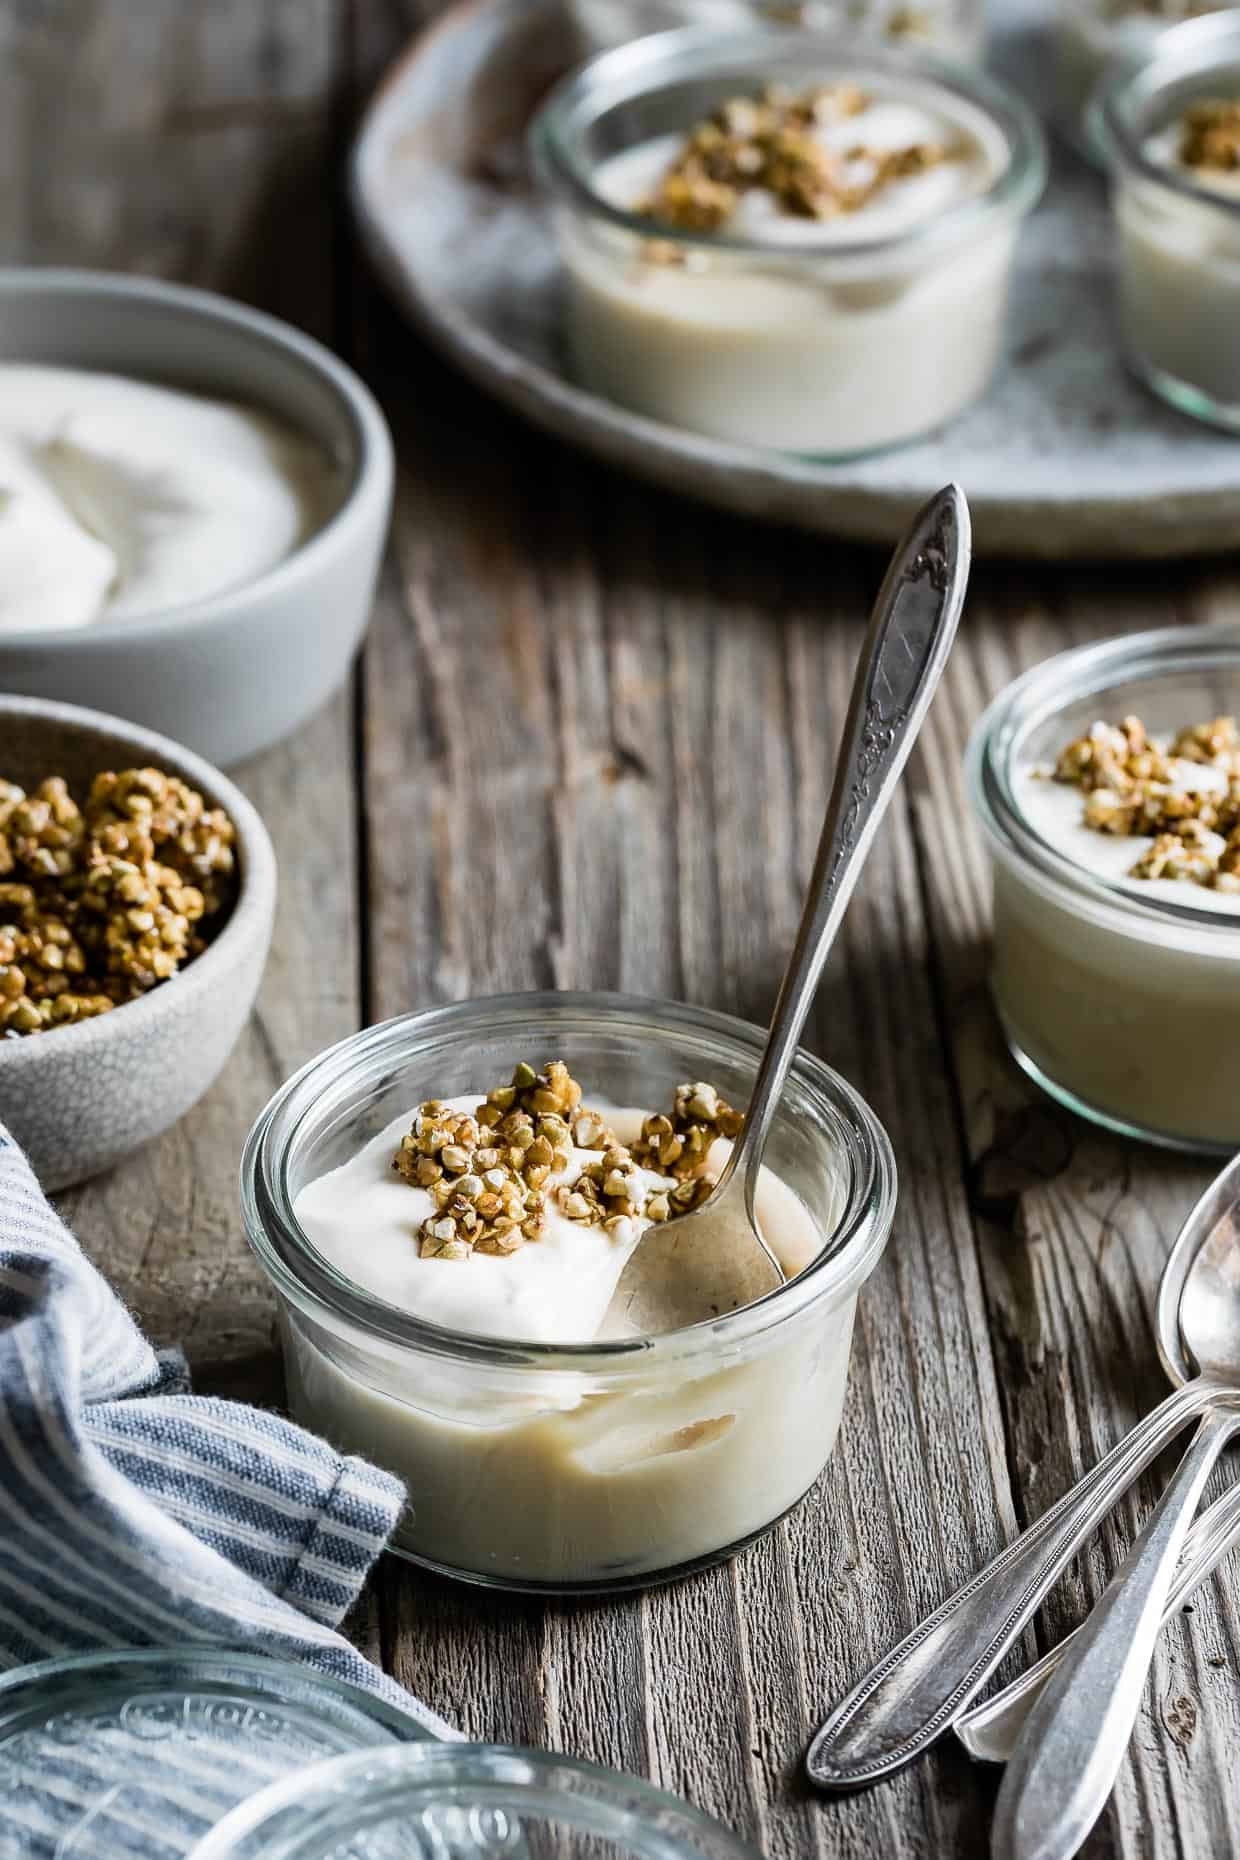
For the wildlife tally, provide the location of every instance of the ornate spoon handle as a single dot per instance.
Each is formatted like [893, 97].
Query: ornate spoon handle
[922, 1686]
[989, 1731]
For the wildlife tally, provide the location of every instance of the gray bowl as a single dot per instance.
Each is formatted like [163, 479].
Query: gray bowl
[233, 673]
[78, 1098]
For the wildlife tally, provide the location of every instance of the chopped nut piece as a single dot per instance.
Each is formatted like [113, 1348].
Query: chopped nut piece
[489, 1174]
[1133, 787]
[1210, 136]
[88, 912]
[768, 143]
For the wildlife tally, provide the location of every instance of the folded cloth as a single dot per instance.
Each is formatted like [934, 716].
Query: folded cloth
[133, 1513]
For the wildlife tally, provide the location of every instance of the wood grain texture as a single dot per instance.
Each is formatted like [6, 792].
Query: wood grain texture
[590, 746]
[162, 138]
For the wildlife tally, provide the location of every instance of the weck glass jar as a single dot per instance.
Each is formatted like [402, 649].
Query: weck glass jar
[1178, 221]
[606, 1464]
[832, 336]
[1118, 995]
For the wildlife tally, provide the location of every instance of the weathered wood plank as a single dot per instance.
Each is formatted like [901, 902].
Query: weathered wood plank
[162, 139]
[1076, 1225]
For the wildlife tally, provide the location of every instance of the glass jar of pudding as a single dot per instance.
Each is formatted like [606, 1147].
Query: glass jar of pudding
[1092, 34]
[1119, 994]
[1169, 132]
[847, 300]
[572, 1466]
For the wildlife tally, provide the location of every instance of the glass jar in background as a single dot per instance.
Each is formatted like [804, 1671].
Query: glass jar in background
[1179, 235]
[846, 340]
[604, 1465]
[1119, 1001]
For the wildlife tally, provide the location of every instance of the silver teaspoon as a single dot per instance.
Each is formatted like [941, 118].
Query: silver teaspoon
[716, 1259]
[925, 1684]
[990, 1730]
[1073, 1741]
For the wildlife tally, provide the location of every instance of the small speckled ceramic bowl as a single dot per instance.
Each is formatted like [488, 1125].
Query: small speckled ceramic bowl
[79, 1098]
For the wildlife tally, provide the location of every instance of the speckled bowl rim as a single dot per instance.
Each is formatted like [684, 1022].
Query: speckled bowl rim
[374, 465]
[253, 906]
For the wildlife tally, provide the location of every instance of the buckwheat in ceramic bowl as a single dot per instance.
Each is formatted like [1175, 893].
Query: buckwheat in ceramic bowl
[546, 1444]
[80, 1095]
[193, 503]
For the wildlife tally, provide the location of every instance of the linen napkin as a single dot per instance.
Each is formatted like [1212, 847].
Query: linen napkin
[134, 1513]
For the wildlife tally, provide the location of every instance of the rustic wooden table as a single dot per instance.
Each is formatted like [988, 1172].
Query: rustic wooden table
[589, 745]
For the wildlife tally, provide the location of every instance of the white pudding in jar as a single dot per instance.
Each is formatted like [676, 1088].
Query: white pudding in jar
[120, 499]
[447, 1279]
[1170, 133]
[1116, 966]
[835, 316]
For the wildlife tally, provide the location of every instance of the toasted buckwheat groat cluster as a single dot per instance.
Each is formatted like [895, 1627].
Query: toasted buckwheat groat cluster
[769, 143]
[101, 901]
[491, 1172]
[1210, 135]
[1132, 786]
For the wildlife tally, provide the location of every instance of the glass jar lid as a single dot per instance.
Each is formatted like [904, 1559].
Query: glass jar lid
[467, 1802]
[1143, 93]
[141, 1752]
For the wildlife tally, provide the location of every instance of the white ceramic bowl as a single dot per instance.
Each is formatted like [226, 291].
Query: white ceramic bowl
[79, 1098]
[233, 673]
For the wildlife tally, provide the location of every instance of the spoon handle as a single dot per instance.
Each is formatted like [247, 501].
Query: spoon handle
[902, 658]
[989, 1731]
[1073, 1743]
[921, 1687]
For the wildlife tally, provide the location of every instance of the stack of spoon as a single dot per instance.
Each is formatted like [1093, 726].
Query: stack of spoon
[1063, 1726]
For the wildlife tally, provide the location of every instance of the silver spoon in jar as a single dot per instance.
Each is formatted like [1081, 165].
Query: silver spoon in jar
[1071, 1746]
[691, 1269]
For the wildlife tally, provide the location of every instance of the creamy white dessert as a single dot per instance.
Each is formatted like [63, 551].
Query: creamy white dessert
[835, 330]
[1136, 1016]
[1179, 274]
[120, 499]
[572, 1471]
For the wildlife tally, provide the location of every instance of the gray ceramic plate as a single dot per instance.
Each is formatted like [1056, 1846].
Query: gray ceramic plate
[1066, 456]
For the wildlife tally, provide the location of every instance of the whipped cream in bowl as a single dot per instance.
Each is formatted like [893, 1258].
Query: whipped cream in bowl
[785, 239]
[446, 1240]
[1107, 786]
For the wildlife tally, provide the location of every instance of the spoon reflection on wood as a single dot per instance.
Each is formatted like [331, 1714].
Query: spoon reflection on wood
[716, 1259]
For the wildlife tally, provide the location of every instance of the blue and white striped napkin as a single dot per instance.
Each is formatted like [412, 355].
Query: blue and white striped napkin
[133, 1513]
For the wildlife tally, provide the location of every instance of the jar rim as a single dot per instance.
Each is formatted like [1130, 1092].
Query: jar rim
[1028, 701]
[325, 1803]
[1131, 89]
[312, 1284]
[657, 59]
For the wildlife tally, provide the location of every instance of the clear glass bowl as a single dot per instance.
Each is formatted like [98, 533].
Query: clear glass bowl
[1179, 242]
[468, 1802]
[830, 346]
[573, 1467]
[1124, 1006]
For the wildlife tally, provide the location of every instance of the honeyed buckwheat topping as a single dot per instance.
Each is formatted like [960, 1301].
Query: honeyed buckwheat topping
[490, 1173]
[769, 142]
[1136, 786]
[100, 902]
[1210, 137]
